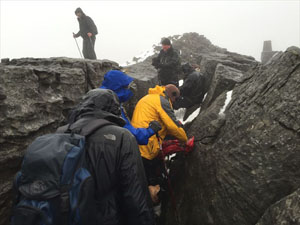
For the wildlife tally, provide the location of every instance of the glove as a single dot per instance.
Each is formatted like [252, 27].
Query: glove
[189, 146]
[155, 126]
[155, 62]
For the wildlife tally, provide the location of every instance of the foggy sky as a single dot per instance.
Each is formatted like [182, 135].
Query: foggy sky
[128, 28]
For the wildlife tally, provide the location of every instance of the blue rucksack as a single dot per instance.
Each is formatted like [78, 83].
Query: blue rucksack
[54, 185]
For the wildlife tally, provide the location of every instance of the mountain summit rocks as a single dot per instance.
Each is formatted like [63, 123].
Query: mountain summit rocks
[35, 97]
[246, 168]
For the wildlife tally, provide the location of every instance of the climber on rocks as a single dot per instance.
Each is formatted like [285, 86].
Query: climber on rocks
[193, 89]
[89, 172]
[167, 64]
[123, 85]
[157, 105]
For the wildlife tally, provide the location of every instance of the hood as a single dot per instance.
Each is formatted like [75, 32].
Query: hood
[100, 104]
[118, 82]
[187, 68]
[157, 90]
[79, 10]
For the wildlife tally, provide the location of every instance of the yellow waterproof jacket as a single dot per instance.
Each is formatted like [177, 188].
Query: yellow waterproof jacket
[156, 106]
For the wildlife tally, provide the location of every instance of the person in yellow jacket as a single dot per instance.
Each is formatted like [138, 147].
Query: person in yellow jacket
[157, 105]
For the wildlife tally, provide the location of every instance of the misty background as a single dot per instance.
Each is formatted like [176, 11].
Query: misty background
[43, 29]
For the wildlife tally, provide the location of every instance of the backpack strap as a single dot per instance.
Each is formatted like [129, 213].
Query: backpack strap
[64, 204]
[86, 130]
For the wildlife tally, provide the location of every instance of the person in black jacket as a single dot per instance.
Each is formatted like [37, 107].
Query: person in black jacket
[114, 159]
[193, 89]
[88, 31]
[167, 63]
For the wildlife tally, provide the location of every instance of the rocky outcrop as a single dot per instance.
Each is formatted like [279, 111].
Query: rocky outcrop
[35, 97]
[247, 158]
[285, 211]
[227, 67]
[196, 49]
[245, 166]
[224, 79]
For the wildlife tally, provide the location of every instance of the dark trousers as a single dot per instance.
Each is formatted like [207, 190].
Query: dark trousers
[168, 78]
[153, 169]
[88, 48]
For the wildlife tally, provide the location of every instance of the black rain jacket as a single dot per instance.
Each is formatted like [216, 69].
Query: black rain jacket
[168, 65]
[86, 25]
[114, 159]
[194, 87]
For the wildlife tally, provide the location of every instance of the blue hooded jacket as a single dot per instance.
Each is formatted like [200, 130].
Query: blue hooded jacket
[118, 82]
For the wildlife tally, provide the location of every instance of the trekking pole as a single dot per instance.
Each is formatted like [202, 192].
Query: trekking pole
[169, 183]
[78, 47]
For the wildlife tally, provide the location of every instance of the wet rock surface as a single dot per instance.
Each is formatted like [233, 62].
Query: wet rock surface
[250, 159]
[245, 166]
[35, 98]
[216, 63]
[285, 211]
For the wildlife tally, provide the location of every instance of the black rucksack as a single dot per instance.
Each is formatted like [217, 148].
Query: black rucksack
[54, 186]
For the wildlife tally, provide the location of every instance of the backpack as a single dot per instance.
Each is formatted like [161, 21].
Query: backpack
[54, 186]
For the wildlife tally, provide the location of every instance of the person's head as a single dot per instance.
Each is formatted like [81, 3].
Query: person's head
[172, 92]
[99, 103]
[79, 13]
[166, 44]
[187, 68]
[120, 83]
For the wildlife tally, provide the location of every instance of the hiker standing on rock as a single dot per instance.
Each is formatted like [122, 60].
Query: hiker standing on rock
[88, 32]
[168, 64]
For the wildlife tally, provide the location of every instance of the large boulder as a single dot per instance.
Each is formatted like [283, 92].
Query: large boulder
[286, 211]
[247, 157]
[35, 98]
[224, 79]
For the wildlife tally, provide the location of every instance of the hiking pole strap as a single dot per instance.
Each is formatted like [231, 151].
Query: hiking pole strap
[65, 205]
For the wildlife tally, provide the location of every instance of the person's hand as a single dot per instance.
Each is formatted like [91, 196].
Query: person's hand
[89, 34]
[189, 145]
[74, 35]
[154, 192]
[155, 62]
[155, 126]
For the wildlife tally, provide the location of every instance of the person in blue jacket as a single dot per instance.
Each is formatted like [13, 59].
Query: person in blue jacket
[121, 83]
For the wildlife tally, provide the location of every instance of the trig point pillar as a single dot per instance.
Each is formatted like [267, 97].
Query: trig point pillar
[267, 52]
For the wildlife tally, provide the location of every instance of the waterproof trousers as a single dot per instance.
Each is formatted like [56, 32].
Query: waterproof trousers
[88, 48]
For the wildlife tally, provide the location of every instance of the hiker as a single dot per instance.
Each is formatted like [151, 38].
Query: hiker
[89, 172]
[193, 89]
[88, 32]
[157, 105]
[121, 186]
[123, 85]
[167, 64]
